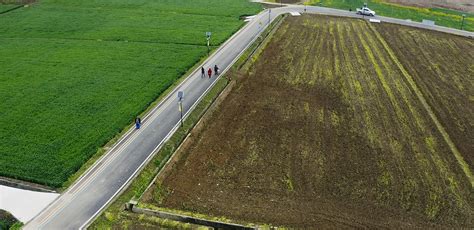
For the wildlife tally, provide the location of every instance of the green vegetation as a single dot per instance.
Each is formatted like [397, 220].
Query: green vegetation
[8, 221]
[75, 73]
[114, 215]
[4, 8]
[442, 17]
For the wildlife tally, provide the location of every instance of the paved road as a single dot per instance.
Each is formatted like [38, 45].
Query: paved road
[76, 207]
[85, 199]
[346, 13]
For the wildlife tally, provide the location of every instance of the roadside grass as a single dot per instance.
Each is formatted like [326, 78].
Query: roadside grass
[75, 74]
[112, 141]
[442, 17]
[8, 221]
[250, 55]
[115, 216]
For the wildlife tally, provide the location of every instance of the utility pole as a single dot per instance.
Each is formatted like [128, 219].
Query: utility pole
[462, 23]
[269, 13]
[208, 38]
[180, 105]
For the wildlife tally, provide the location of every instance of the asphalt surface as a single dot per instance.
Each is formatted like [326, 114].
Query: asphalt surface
[88, 196]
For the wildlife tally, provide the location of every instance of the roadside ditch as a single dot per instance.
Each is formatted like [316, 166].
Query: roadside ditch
[127, 209]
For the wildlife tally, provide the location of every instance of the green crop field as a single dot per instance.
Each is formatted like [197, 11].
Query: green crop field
[442, 17]
[73, 74]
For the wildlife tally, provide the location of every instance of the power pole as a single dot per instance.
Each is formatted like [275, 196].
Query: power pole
[462, 23]
[180, 105]
[269, 13]
[208, 38]
[181, 110]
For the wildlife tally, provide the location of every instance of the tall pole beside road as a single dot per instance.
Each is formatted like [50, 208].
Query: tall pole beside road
[269, 15]
[462, 22]
[180, 105]
[208, 38]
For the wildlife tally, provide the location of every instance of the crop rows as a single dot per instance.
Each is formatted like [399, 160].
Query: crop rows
[449, 88]
[325, 130]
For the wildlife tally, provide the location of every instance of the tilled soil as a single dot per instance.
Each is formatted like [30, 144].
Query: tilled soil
[449, 87]
[324, 131]
[464, 5]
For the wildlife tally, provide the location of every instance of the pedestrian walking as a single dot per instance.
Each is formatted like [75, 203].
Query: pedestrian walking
[203, 72]
[216, 70]
[138, 123]
[209, 72]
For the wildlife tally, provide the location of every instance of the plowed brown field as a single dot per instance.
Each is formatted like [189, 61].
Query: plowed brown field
[336, 128]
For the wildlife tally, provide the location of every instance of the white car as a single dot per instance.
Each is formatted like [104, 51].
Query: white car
[365, 11]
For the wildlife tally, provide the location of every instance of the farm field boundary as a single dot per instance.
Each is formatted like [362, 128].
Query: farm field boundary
[442, 17]
[462, 163]
[313, 9]
[249, 55]
[103, 67]
[169, 92]
[114, 213]
[173, 131]
[358, 128]
[189, 219]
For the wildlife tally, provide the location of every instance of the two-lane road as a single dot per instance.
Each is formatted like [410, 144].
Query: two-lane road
[85, 199]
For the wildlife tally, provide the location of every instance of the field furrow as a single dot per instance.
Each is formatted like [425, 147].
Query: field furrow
[445, 82]
[343, 139]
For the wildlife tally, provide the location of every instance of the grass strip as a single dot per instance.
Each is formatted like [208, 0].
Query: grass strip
[442, 17]
[100, 152]
[138, 186]
[114, 215]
